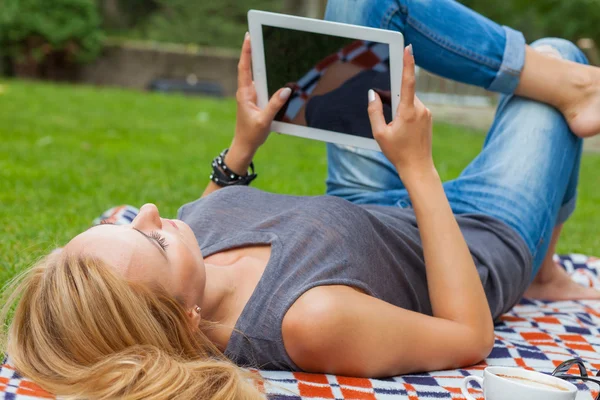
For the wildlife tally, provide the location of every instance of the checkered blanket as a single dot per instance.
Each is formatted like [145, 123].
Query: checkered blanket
[535, 335]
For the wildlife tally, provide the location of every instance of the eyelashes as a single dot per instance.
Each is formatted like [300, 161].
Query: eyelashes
[159, 239]
[162, 242]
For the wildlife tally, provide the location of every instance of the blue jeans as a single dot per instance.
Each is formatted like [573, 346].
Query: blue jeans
[527, 172]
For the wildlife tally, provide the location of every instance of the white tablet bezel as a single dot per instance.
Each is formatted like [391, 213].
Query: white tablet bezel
[395, 40]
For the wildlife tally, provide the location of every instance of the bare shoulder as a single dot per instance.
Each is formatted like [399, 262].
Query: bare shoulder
[314, 322]
[339, 330]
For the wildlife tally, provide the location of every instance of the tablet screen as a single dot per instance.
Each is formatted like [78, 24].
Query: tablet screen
[330, 77]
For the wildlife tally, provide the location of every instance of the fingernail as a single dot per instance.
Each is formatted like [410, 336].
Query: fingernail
[285, 93]
[410, 49]
[247, 36]
[371, 95]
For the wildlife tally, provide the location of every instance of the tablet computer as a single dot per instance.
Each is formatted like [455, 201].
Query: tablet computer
[330, 67]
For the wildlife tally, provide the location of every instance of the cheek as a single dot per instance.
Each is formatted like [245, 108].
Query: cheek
[188, 267]
[190, 240]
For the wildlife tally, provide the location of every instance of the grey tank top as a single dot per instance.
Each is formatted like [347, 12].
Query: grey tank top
[325, 240]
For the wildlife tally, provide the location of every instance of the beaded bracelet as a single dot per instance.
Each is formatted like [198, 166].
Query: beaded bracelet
[223, 176]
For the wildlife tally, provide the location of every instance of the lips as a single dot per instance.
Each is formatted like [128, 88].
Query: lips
[174, 224]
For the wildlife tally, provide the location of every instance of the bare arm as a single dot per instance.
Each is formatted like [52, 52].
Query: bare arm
[338, 330]
[387, 339]
[455, 288]
[252, 124]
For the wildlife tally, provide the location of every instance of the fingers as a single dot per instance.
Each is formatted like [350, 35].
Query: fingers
[245, 64]
[378, 124]
[407, 96]
[277, 101]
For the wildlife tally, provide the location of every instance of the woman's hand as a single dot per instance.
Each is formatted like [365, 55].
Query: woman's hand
[253, 124]
[406, 141]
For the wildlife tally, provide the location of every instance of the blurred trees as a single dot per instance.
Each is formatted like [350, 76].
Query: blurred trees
[223, 22]
[124, 14]
[202, 22]
[46, 41]
[207, 23]
[570, 19]
[307, 8]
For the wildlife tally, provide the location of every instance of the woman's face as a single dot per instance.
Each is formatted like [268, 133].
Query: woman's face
[150, 250]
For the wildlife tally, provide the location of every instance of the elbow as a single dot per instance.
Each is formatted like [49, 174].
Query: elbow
[477, 347]
[484, 338]
[487, 345]
[481, 347]
[488, 338]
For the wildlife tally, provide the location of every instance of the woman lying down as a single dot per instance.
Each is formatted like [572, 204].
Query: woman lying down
[393, 272]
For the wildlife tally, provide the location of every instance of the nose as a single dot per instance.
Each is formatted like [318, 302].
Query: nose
[148, 218]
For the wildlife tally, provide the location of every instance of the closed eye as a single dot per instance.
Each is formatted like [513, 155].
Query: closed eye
[154, 237]
[160, 240]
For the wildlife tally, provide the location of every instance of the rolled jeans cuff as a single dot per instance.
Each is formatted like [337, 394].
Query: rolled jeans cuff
[509, 75]
[566, 210]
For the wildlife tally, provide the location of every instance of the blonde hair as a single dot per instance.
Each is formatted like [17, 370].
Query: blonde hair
[82, 331]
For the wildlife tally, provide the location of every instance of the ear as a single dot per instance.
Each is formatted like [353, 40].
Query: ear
[194, 317]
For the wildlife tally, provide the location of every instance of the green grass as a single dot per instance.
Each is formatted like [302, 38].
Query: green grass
[67, 153]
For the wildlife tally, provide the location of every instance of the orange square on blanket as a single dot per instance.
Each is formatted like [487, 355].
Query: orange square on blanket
[313, 378]
[357, 394]
[512, 318]
[27, 388]
[539, 339]
[572, 338]
[576, 342]
[357, 382]
[547, 320]
[308, 390]
[536, 336]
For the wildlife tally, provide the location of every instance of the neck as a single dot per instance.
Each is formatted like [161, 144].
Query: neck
[231, 278]
[219, 294]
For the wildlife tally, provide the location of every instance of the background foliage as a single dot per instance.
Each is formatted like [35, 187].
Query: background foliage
[571, 19]
[223, 23]
[219, 23]
[36, 29]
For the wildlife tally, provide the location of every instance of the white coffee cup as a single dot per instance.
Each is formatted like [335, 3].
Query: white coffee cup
[505, 383]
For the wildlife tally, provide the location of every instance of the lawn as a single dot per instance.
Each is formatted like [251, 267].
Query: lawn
[67, 153]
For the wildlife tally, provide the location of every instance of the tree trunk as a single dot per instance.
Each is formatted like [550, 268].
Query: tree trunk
[293, 7]
[113, 15]
[305, 8]
[313, 8]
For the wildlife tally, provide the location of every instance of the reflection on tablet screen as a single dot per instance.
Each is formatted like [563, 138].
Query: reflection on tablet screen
[329, 76]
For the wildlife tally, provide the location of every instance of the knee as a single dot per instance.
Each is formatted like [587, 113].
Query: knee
[566, 49]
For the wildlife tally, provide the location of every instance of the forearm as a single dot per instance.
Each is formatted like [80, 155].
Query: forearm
[237, 159]
[455, 288]
[252, 123]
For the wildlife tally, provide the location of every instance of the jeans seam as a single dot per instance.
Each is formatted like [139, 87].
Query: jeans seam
[540, 243]
[510, 71]
[452, 48]
[387, 17]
